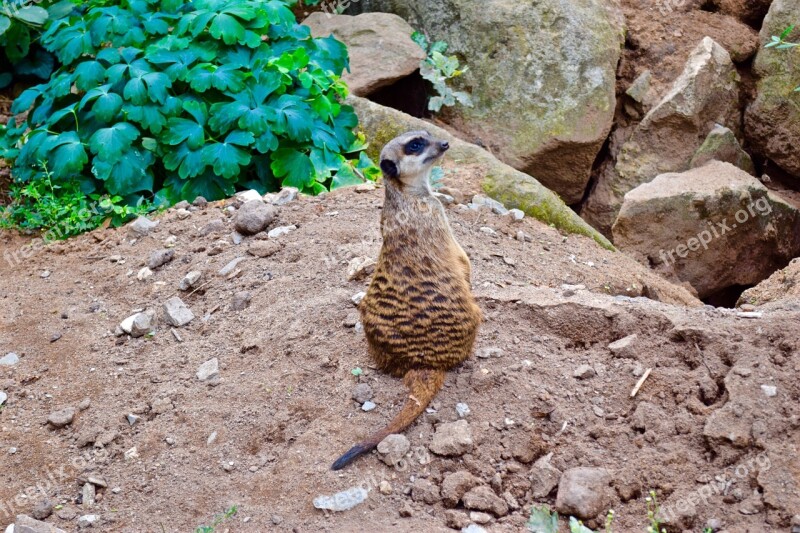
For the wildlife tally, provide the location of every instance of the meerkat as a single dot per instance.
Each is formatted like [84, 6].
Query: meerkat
[420, 317]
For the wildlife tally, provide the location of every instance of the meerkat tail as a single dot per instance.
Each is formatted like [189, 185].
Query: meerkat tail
[423, 384]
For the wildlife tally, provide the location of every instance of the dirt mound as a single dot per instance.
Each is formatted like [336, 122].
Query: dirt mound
[175, 451]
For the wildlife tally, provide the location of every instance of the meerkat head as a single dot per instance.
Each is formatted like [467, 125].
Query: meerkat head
[407, 159]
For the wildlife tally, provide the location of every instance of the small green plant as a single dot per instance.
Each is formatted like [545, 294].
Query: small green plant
[779, 42]
[218, 519]
[439, 69]
[654, 525]
[357, 371]
[437, 175]
[542, 520]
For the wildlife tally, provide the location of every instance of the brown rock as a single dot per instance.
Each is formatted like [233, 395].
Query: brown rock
[584, 492]
[483, 498]
[455, 485]
[423, 490]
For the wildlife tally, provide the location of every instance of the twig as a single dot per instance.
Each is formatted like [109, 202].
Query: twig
[641, 382]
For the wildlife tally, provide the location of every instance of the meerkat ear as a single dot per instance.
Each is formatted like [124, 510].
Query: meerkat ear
[389, 168]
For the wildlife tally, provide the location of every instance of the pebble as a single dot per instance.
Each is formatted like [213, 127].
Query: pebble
[87, 520]
[544, 477]
[230, 267]
[211, 438]
[85, 404]
[253, 217]
[487, 353]
[142, 227]
[62, 417]
[584, 492]
[42, 510]
[452, 438]
[190, 280]
[132, 419]
[55, 336]
[362, 392]
[183, 214]
[360, 267]
[483, 498]
[516, 214]
[26, 524]
[342, 501]
[285, 196]
[487, 230]
[497, 207]
[200, 202]
[350, 320]
[357, 297]
[9, 359]
[183, 204]
[160, 257]
[769, 391]
[171, 241]
[264, 248]
[480, 518]
[208, 370]
[144, 274]
[368, 406]
[276, 519]
[393, 448]
[584, 372]
[89, 494]
[248, 195]
[3, 397]
[462, 410]
[751, 314]
[523, 237]
[241, 300]
[177, 313]
[280, 230]
[385, 487]
[473, 528]
[171, 441]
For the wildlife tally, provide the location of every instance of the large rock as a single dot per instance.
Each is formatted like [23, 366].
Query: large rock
[542, 77]
[379, 44]
[782, 285]
[714, 227]
[750, 11]
[512, 187]
[705, 94]
[722, 145]
[773, 120]
[584, 492]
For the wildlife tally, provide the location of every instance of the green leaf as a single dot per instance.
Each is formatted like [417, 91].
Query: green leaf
[420, 39]
[32, 14]
[5, 23]
[67, 155]
[188, 162]
[205, 75]
[157, 85]
[183, 129]
[226, 158]
[110, 143]
[345, 177]
[541, 521]
[786, 32]
[228, 28]
[575, 526]
[149, 116]
[135, 91]
[25, 100]
[293, 117]
[293, 166]
[89, 74]
[127, 173]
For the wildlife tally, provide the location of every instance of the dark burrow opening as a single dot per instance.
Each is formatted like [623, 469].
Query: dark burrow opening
[408, 95]
[726, 297]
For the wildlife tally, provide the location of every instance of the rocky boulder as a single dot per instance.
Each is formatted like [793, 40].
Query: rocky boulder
[379, 44]
[714, 227]
[750, 11]
[542, 77]
[722, 145]
[782, 285]
[773, 120]
[704, 95]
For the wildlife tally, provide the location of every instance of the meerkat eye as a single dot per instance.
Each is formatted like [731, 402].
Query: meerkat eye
[415, 146]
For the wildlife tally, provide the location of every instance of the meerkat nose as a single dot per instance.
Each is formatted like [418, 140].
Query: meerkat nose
[444, 145]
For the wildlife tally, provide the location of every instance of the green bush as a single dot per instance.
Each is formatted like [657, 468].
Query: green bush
[160, 101]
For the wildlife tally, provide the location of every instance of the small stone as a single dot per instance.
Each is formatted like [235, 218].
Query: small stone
[55, 336]
[462, 410]
[362, 392]
[473, 528]
[171, 441]
[624, 347]
[523, 237]
[368, 406]
[96, 481]
[366, 187]
[230, 267]
[253, 217]
[285, 196]
[280, 230]
[144, 274]
[161, 406]
[208, 370]
[215, 226]
[752, 314]
[116, 258]
[483, 498]
[350, 320]
[171, 241]
[714, 524]
[393, 449]
[357, 297]
[342, 501]
[487, 353]
[544, 477]
[769, 391]
[276, 519]
[424, 491]
[211, 438]
[132, 419]
[246, 196]
[455, 519]
[406, 511]
[9, 359]
[183, 214]
[176, 313]
[264, 248]
[85, 404]
[190, 280]
[45, 274]
[42, 510]
[385, 487]
[497, 207]
[360, 267]
[26, 524]
[3, 397]
[584, 372]
[584, 492]
[62, 417]
[183, 204]
[487, 230]
[241, 300]
[141, 227]
[516, 214]
[200, 202]
[455, 485]
[480, 518]
[89, 493]
[87, 520]
[160, 257]
[453, 438]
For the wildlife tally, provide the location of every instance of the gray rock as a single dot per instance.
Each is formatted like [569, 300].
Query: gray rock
[455, 485]
[89, 494]
[483, 498]
[280, 230]
[584, 492]
[360, 267]
[62, 417]
[264, 248]
[368, 406]
[362, 392]
[215, 226]
[200, 202]
[183, 214]
[342, 501]
[253, 217]
[183, 204]
[160, 257]
[462, 410]
[3, 398]
[208, 370]
[190, 280]
[393, 449]
[452, 438]
[241, 300]
[357, 297]
[9, 359]
[176, 313]
[144, 274]
[624, 347]
[42, 510]
[289, 194]
[143, 323]
[231, 267]
[422, 490]
[87, 520]
[722, 145]
[584, 372]
[26, 524]
[248, 195]
[544, 477]
[497, 207]
[372, 39]
[142, 227]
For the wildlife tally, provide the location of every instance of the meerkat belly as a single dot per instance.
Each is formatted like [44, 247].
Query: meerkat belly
[418, 316]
